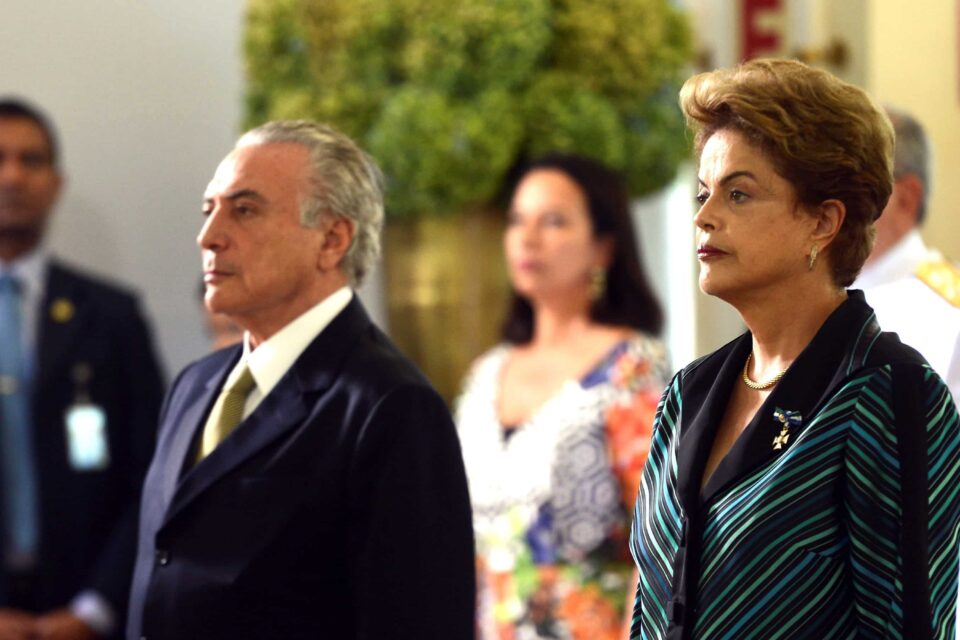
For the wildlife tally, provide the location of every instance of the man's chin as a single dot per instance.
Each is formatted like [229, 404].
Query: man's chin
[11, 226]
[216, 302]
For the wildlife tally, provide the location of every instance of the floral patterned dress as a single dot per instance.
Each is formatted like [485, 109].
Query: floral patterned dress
[551, 497]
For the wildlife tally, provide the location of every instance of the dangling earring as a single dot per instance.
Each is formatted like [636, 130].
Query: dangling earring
[598, 283]
[814, 252]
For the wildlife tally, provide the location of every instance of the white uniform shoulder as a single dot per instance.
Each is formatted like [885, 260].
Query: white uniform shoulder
[923, 319]
[942, 276]
[911, 302]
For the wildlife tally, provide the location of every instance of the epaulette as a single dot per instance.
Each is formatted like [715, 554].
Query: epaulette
[942, 276]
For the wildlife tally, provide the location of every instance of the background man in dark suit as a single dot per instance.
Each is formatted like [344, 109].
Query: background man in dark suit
[307, 483]
[80, 390]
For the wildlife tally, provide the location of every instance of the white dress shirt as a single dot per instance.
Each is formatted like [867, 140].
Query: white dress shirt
[273, 357]
[900, 261]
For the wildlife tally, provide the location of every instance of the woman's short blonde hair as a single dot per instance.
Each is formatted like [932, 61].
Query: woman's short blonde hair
[826, 137]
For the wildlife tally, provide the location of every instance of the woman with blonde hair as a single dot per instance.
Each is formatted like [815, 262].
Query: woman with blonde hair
[801, 481]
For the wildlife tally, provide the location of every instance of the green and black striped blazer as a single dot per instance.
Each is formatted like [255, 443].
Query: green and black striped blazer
[847, 530]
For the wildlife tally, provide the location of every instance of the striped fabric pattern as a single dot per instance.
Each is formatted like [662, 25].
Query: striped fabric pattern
[806, 545]
[654, 541]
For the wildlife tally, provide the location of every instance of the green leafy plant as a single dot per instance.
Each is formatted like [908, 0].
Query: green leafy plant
[449, 97]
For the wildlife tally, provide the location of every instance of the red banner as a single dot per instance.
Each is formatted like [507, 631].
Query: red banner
[758, 41]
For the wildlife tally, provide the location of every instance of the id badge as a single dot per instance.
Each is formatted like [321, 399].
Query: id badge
[87, 446]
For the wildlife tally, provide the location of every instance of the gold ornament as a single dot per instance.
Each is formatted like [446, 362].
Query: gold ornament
[62, 310]
[759, 386]
[781, 439]
[598, 283]
[786, 420]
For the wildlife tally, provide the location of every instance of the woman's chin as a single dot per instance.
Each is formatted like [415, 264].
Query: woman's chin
[709, 285]
[717, 288]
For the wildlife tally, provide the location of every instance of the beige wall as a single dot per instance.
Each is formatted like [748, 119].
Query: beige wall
[912, 64]
[146, 96]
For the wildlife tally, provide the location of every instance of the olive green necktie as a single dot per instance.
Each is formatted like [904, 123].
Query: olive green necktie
[226, 413]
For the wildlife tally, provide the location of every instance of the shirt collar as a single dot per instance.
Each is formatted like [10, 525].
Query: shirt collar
[272, 358]
[899, 262]
[29, 270]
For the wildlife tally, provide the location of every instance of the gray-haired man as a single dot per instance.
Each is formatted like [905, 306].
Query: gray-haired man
[307, 483]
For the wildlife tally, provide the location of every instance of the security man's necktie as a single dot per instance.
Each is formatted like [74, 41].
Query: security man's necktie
[18, 474]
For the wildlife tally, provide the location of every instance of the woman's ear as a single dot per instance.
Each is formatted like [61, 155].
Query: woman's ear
[829, 218]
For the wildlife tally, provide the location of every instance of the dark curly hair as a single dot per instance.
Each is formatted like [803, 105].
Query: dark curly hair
[628, 299]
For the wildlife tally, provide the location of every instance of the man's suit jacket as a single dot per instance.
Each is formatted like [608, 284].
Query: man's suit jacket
[338, 509]
[88, 517]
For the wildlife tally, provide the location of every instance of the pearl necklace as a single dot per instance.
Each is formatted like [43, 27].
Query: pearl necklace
[759, 386]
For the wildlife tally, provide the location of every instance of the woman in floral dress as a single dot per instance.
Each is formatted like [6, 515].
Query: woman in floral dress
[555, 422]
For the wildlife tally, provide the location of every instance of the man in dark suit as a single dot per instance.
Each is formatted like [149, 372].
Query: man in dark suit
[80, 391]
[307, 483]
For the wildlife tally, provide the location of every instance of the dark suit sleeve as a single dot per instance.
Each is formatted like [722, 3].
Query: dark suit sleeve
[142, 396]
[412, 558]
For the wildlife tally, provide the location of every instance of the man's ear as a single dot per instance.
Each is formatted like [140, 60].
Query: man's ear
[59, 185]
[337, 239]
[906, 197]
[829, 218]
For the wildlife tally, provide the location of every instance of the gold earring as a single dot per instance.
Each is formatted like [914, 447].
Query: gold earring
[814, 252]
[598, 282]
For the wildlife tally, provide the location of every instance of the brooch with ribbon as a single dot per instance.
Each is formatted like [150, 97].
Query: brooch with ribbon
[786, 419]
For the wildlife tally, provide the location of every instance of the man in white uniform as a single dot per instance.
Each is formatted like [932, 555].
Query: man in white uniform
[913, 288]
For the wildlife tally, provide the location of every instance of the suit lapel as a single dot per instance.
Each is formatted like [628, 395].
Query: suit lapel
[706, 392]
[62, 314]
[180, 451]
[281, 411]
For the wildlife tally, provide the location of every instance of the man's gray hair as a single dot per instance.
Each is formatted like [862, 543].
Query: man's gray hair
[911, 153]
[346, 183]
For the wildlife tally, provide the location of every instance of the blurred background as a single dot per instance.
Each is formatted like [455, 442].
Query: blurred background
[148, 96]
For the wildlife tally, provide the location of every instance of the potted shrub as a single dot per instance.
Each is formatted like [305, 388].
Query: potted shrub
[450, 98]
